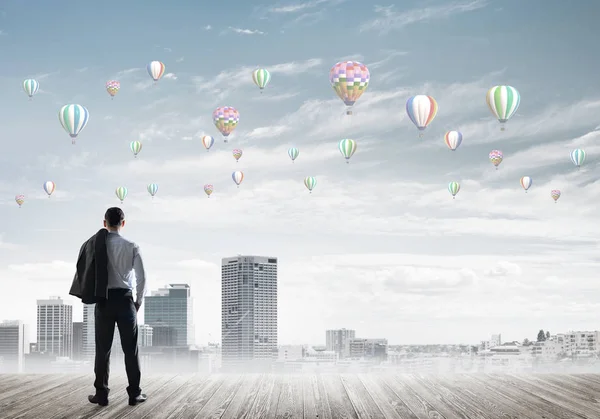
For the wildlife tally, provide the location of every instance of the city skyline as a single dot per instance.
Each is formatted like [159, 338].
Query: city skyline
[379, 246]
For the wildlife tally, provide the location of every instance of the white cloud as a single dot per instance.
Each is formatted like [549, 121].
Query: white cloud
[242, 31]
[207, 28]
[170, 76]
[389, 19]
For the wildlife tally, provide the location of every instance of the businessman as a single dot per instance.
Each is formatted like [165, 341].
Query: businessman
[124, 263]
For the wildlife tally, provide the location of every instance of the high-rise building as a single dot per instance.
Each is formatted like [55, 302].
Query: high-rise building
[55, 327]
[89, 332]
[249, 311]
[145, 333]
[172, 306]
[337, 340]
[14, 344]
[78, 340]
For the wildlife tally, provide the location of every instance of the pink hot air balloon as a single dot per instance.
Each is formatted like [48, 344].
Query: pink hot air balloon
[226, 119]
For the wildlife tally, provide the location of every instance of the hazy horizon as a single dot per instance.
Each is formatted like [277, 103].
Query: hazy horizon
[379, 246]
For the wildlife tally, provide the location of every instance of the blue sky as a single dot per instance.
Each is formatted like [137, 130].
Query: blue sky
[379, 245]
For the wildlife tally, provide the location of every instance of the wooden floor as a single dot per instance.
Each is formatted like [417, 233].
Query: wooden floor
[327, 396]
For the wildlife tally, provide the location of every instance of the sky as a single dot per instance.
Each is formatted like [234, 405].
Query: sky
[379, 246]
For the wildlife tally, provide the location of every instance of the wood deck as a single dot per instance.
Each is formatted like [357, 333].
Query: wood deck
[324, 396]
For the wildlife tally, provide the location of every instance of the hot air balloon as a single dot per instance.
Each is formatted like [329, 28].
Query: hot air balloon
[31, 87]
[226, 119]
[112, 87]
[555, 194]
[49, 187]
[503, 101]
[152, 189]
[237, 177]
[347, 148]
[453, 139]
[73, 119]
[121, 193]
[578, 157]
[349, 79]
[207, 141]
[310, 182]
[208, 189]
[453, 188]
[19, 199]
[293, 153]
[261, 78]
[136, 147]
[496, 157]
[421, 110]
[237, 153]
[156, 69]
[526, 183]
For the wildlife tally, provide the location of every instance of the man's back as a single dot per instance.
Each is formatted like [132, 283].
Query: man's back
[125, 264]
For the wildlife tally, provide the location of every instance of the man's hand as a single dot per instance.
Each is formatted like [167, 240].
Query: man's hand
[137, 306]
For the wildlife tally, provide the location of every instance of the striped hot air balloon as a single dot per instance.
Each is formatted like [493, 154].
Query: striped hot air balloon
[208, 189]
[578, 157]
[293, 152]
[453, 139]
[347, 148]
[73, 119]
[453, 188]
[152, 189]
[310, 182]
[261, 78]
[49, 187]
[237, 154]
[237, 177]
[421, 110]
[156, 70]
[207, 142]
[526, 183]
[503, 101]
[121, 193]
[31, 87]
[136, 147]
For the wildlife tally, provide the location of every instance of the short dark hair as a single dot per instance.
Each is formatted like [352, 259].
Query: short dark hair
[114, 216]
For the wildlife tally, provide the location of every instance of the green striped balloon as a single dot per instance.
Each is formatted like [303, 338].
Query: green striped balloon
[121, 193]
[293, 153]
[135, 147]
[310, 182]
[31, 87]
[503, 101]
[347, 148]
[453, 188]
[152, 189]
[578, 157]
[261, 77]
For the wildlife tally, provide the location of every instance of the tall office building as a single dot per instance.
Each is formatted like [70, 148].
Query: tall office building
[78, 340]
[172, 306]
[89, 332]
[337, 340]
[14, 344]
[249, 311]
[55, 327]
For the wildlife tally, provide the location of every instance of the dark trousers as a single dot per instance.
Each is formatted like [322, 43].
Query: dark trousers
[120, 310]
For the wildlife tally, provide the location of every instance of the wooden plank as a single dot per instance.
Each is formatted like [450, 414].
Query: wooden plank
[340, 403]
[44, 400]
[444, 391]
[119, 402]
[265, 404]
[548, 392]
[196, 397]
[389, 403]
[496, 404]
[529, 402]
[290, 404]
[244, 398]
[417, 404]
[219, 402]
[177, 398]
[298, 396]
[580, 381]
[359, 396]
[165, 395]
[24, 391]
[565, 384]
[315, 405]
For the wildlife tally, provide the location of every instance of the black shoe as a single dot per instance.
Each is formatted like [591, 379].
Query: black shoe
[139, 399]
[101, 401]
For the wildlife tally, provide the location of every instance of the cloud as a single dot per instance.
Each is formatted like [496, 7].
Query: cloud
[207, 28]
[504, 268]
[242, 31]
[391, 20]
[301, 7]
[170, 76]
[180, 60]
[57, 270]
[6, 245]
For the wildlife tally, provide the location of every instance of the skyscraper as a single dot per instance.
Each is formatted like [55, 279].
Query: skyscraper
[172, 306]
[55, 327]
[337, 340]
[14, 344]
[248, 311]
[89, 332]
[78, 340]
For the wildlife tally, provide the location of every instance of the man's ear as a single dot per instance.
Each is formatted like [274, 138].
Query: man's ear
[122, 223]
[104, 222]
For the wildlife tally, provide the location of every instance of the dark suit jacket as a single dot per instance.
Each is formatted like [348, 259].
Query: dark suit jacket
[91, 279]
